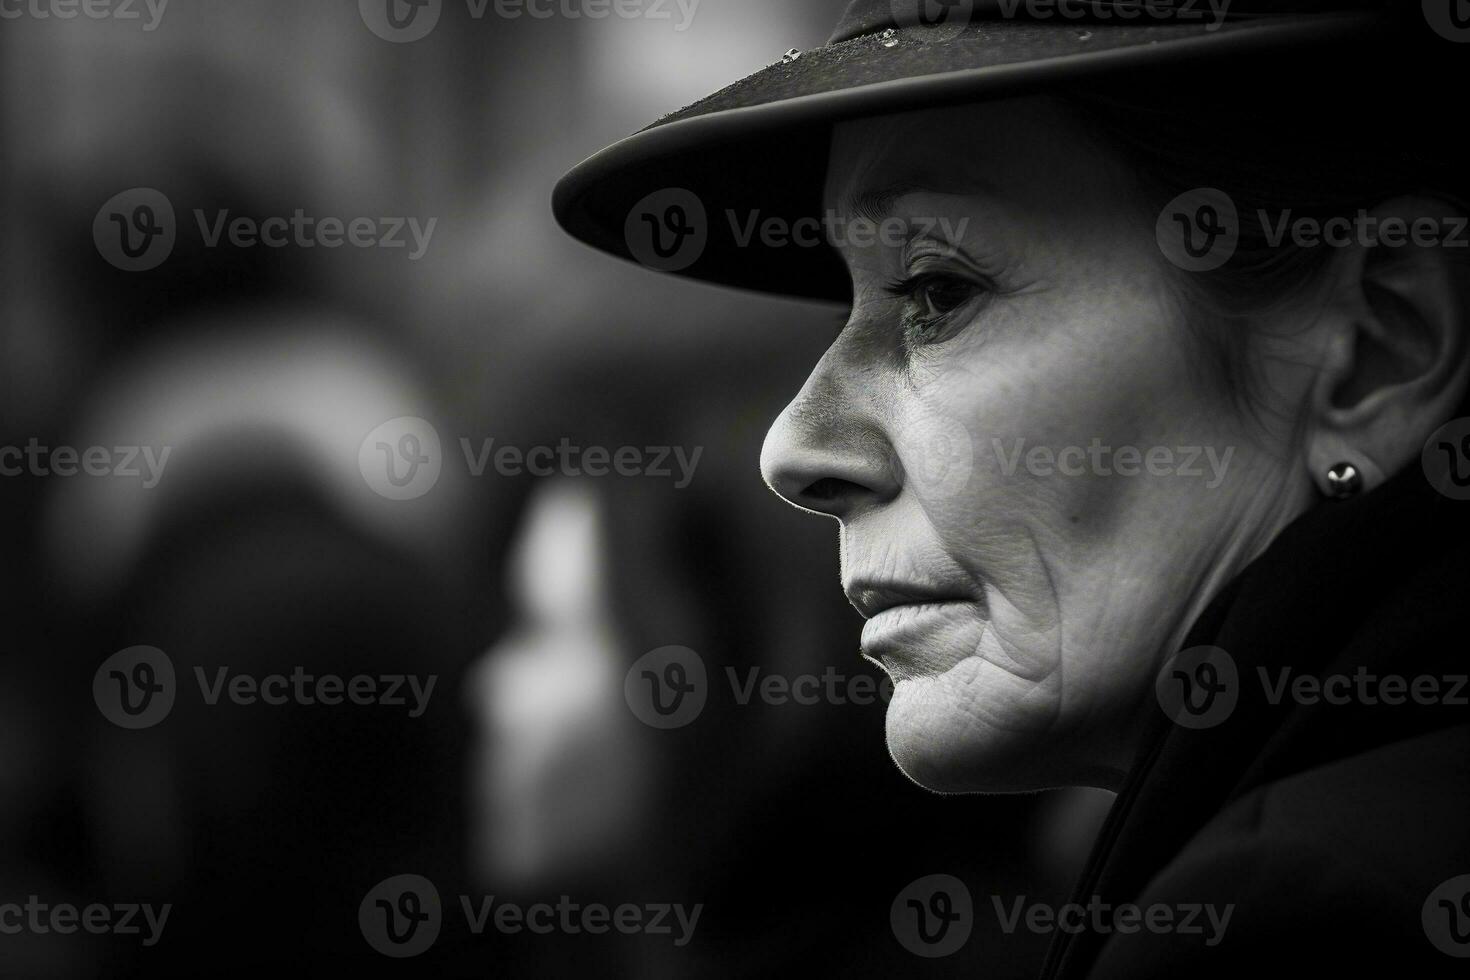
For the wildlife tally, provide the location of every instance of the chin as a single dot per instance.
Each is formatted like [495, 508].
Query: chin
[976, 729]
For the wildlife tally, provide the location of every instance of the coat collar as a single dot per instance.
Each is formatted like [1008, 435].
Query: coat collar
[1365, 583]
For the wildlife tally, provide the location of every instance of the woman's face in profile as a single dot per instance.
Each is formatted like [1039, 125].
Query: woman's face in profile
[1038, 482]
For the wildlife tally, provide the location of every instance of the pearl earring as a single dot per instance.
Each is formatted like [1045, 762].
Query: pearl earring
[1343, 480]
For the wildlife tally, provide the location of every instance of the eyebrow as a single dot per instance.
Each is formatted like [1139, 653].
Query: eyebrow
[877, 204]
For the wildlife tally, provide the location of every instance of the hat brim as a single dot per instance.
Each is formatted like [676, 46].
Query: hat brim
[754, 155]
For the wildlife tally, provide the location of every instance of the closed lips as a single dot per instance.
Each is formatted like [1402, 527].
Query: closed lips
[874, 599]
[912, 622]
[912, 632]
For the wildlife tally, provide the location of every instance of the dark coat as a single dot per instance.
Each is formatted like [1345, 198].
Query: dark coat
[1327, 826]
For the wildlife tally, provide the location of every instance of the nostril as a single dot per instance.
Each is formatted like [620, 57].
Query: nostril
[827, 490]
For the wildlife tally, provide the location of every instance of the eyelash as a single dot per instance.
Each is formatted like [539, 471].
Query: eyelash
[917, 327]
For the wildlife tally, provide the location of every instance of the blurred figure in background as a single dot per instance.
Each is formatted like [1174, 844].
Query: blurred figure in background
[557, 778]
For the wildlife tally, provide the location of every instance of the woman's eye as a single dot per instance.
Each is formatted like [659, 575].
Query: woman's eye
[933, 296]
[943, 295]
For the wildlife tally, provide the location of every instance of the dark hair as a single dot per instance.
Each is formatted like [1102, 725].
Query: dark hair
[1270, 152]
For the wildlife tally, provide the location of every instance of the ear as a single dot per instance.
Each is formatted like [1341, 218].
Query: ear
[1393, 337]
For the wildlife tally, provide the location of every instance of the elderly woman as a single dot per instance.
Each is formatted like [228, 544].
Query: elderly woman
[1144, 432]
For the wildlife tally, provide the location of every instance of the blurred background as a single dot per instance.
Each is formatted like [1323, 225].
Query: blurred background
[265, 546]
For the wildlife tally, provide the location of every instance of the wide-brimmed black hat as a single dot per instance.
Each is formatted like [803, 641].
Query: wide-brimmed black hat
[690, 193]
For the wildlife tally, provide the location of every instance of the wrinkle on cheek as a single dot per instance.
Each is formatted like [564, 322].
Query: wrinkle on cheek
[1045, 605]
[1026, 608]
[1023, 595]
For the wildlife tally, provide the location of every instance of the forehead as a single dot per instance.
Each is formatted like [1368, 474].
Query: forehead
[1023, 151]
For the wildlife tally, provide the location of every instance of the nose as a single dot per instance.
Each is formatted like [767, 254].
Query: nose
[827, 452]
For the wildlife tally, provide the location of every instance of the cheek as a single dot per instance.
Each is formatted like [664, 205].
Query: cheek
[1008, 429]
